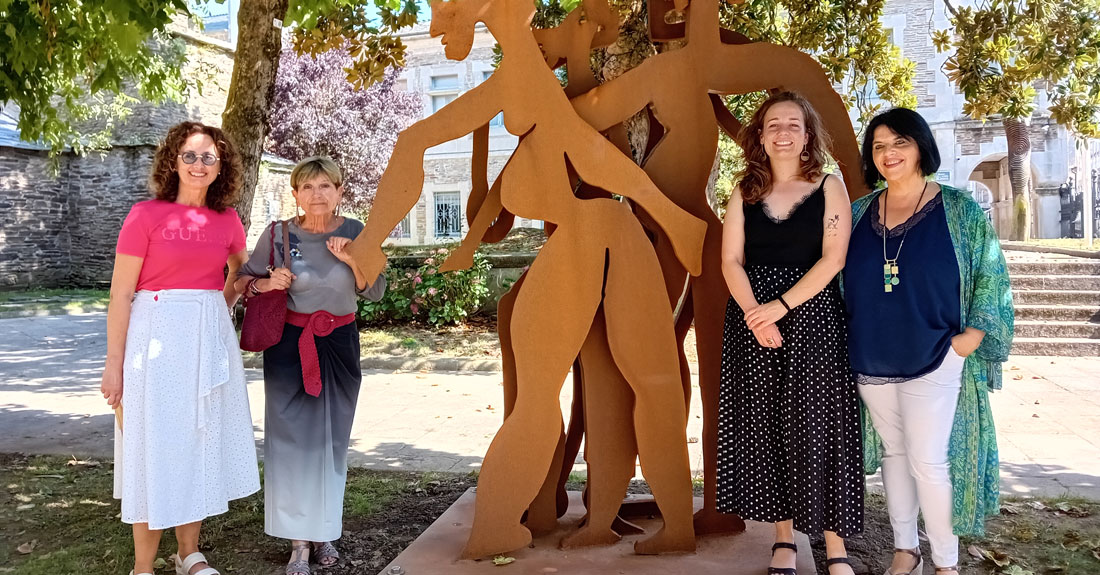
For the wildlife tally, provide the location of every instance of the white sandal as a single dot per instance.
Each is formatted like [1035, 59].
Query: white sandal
[132, 573]
[184, 567]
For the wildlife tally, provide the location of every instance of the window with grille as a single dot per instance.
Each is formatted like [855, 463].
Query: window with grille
[403, 229]
[448, 215]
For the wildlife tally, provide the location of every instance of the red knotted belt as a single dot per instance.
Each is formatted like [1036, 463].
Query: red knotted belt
[318, 323]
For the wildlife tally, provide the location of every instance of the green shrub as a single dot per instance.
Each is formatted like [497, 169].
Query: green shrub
[425, 294]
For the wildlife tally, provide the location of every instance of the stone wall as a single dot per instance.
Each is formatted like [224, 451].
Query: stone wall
[34, 209]
[101, 191]
[62, 230]
[272, 200]
[208, 67]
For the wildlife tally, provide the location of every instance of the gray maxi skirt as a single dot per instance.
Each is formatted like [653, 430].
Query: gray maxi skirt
[306, 438]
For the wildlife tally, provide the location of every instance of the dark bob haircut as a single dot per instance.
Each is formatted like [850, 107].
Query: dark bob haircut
[909, 125]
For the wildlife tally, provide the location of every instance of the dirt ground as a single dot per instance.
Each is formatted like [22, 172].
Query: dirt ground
[57, 517]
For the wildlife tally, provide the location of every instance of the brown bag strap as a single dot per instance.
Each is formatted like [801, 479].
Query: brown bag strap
[286, 244]
[271, 255]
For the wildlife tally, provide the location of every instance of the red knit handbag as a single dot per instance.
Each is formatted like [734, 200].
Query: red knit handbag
[265, 313]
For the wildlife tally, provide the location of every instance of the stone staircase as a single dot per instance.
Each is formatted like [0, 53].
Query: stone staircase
[1057, 305]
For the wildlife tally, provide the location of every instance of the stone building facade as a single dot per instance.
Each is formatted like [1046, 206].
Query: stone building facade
[59, 218]
[974, 153]
[440, 213]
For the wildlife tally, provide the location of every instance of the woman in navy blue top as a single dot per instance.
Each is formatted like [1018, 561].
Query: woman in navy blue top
[789, 442]
[924, 284]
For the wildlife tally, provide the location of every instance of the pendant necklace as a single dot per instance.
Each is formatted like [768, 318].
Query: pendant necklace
[890, 267]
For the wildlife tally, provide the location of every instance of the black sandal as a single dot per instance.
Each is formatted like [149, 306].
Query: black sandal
[837, 560]
[783, 570]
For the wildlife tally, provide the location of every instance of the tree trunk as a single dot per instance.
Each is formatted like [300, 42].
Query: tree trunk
[259, 44]
[1019, 174]
[631, 49]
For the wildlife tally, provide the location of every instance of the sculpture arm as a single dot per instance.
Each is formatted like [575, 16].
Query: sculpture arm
[403, 180]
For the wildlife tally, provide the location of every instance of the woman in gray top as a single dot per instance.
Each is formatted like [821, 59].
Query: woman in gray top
[312, 376]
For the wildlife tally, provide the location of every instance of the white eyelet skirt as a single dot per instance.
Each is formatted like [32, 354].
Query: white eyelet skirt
[187, 446]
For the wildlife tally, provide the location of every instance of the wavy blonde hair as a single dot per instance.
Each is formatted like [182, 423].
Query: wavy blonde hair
[756, 177]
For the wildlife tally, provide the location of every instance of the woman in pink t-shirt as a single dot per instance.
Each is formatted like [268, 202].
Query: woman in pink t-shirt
[185, 446]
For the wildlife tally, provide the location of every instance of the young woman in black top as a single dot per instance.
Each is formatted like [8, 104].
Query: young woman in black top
[789, 439]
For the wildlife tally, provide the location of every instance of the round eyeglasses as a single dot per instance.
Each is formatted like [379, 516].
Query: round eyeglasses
[191, 157]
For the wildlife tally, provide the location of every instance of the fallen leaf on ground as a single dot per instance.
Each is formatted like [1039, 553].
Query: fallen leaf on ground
[1010, 509]
[998, 558]
[27, 547]
[1037, 505]
[502, 560]
[1017, 377]
[1067, 509]
[25, 507]
[160, 563]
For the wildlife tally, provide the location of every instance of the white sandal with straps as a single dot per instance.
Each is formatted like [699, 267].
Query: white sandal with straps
[184, 567]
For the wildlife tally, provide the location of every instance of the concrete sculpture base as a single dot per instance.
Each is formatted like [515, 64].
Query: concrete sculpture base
[435, 551]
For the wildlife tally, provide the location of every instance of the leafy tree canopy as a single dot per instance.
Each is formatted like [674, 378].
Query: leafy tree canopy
[316, 111]
[1002, 50]
[58, 58]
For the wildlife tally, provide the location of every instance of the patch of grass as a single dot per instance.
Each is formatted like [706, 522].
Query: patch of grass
[51, 299]
[1039, 536]
[63, 514]
[60, 512]
[518, 241]
[476, 339]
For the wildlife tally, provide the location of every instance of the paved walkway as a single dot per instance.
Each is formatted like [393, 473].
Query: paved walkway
[1048, 417]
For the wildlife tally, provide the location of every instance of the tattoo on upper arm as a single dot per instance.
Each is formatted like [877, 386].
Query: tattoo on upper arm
[833, 223]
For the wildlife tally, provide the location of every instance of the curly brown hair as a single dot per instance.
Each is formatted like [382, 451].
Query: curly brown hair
[756, 177]
[164, 182]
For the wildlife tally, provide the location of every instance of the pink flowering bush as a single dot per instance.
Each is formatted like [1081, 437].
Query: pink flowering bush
[426, 294]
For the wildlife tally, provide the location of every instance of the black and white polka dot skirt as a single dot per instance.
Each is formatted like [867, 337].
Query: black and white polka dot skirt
[789, 438]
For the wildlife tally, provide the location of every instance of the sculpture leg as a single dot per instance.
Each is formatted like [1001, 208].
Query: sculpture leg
[642, 340]
[610, 448]
[562, 289]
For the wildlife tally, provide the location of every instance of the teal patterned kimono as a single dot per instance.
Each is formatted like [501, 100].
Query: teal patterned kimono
[986, 300]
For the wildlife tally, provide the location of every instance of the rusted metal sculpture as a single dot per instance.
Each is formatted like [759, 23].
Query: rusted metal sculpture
[557, 308]
[599, 258]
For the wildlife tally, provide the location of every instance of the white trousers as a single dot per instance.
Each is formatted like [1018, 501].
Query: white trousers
[914, 420]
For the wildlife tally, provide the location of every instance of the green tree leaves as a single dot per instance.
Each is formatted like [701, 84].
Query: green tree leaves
[1004, 51]
[58, 59]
